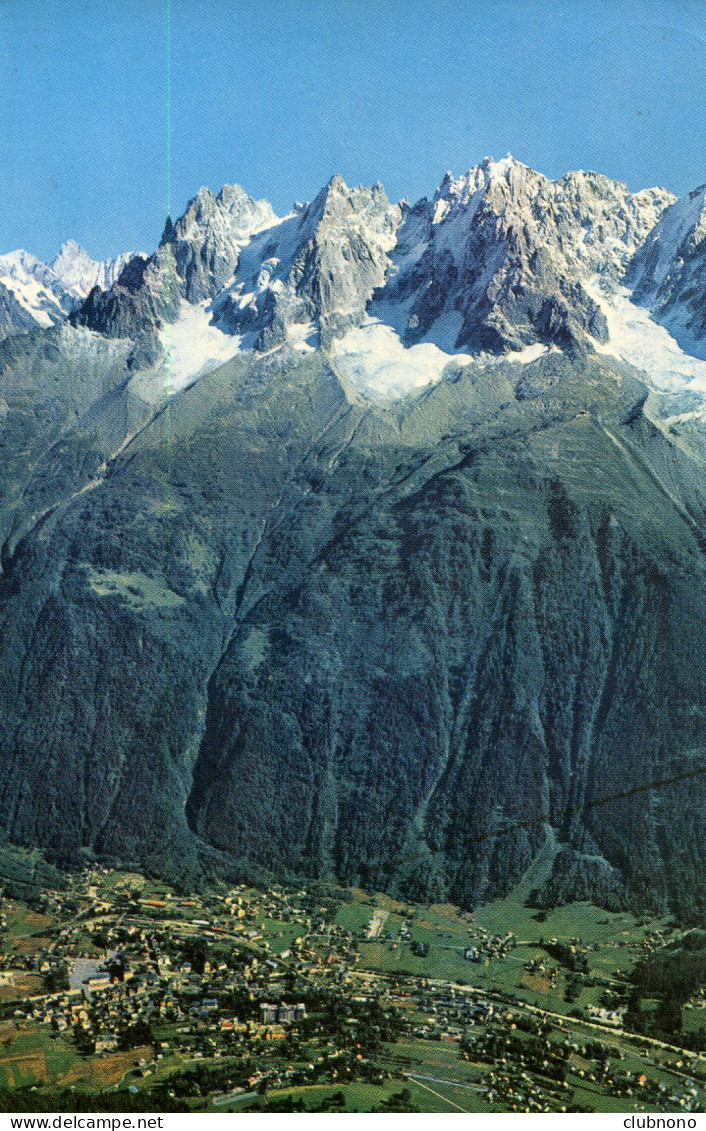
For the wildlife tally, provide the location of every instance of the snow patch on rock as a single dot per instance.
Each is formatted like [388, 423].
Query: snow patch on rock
[373, 361]
[636, 338]
[193, 346]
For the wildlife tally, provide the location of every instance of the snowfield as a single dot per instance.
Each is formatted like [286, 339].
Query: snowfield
[193, 346]
[634, 337]
[372, 360]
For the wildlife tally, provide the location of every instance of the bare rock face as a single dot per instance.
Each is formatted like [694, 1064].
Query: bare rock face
[499, 258]
[320, 266]
[206, 240]
[668, 271]
[136, 306]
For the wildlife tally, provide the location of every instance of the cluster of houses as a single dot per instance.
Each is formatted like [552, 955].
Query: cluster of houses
[208, 976]
[136, 980]
[605, 1016]
[449, 1015]
[538, 968]
[490, 946]
[697, 999]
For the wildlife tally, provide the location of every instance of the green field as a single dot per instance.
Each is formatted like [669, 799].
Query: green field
[28, 1058]
[22, 921]
[613, 941]
[354, 916]
[279, 935]
[428, 1096]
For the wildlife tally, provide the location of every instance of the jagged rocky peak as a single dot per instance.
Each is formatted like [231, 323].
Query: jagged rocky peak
[604, 207]
[504, 178]
[344, 253]
[206, 240]
[79, 274]
[337, 202]
[196, 258]
[320, 266]
[668, 272]
[232, 211]
[500, 257]
[146, 294]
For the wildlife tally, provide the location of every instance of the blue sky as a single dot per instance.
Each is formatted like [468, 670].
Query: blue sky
[280, 94]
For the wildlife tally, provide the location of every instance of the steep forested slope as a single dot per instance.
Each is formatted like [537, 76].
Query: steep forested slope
[320, 635]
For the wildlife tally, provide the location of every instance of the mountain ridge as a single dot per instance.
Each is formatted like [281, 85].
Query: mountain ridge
[500, 260]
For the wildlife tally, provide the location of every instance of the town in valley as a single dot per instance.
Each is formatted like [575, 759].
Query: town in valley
[120, 992]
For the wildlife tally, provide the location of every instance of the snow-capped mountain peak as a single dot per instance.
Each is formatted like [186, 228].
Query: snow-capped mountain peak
[206, 241]
[39, 294]
[668, 272]
[79, 274]
[36, 290]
